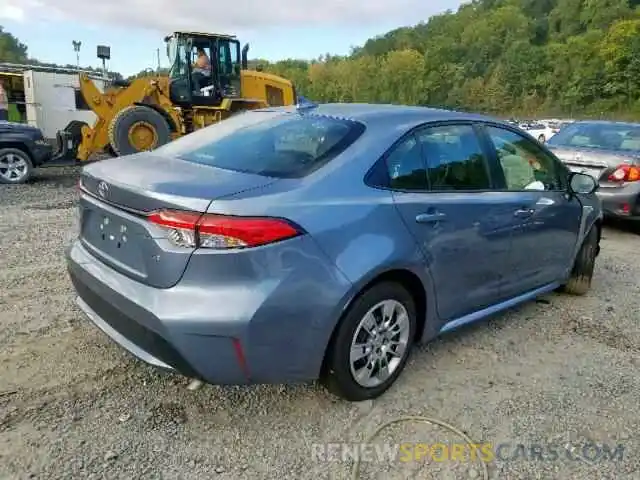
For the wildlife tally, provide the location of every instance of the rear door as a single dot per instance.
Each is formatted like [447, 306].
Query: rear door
[546, 218]
[443, 191]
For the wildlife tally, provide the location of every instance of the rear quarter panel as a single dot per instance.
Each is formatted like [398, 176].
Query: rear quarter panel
[357, 227]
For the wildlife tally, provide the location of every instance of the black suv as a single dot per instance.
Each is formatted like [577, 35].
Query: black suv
[22, 148]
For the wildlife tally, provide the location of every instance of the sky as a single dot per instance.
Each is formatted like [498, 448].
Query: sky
[134, 29]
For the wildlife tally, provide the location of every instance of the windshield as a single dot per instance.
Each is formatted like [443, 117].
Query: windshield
[623, 137]
[282, 145]
[177, 53]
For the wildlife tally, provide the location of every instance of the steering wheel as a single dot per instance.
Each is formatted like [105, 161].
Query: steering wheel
[304, 157]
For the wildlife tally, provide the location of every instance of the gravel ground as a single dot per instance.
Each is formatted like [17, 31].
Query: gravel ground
[557, 371]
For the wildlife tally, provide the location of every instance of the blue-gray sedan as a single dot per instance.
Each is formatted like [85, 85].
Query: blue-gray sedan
[286, 245]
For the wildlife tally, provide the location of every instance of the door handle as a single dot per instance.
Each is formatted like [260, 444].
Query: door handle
[524, 212]
[430, 217]
[544, 201]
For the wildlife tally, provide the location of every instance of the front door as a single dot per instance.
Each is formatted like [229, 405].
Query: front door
[546, 217]
[443, 190]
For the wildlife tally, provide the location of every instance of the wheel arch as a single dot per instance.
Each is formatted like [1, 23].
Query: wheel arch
[404, 276]
[598, 224]
[23, 147]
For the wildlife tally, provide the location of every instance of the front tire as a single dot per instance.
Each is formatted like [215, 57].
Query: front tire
[580, 280]
[372, 343]
[136, 129]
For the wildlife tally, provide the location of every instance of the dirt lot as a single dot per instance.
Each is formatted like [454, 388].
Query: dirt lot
[560, 371]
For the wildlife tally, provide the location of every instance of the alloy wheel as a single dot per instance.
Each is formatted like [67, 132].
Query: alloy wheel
[380, 343]
[13, 167]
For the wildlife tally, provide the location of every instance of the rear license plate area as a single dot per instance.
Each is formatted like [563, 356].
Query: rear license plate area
[111, 232]
[108, 233]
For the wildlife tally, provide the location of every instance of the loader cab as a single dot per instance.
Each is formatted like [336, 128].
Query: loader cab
[204, 68]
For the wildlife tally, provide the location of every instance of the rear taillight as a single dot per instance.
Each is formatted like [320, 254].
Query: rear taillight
[195, 230]
[625, 173]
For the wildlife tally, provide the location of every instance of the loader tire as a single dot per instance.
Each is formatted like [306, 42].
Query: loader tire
[136, 129]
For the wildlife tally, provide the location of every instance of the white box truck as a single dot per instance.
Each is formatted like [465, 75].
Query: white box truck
[53, 100]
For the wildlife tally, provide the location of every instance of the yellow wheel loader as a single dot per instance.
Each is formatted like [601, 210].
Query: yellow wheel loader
[208, 82]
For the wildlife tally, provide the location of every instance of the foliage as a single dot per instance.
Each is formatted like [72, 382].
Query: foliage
[11, 50]
[508, 57]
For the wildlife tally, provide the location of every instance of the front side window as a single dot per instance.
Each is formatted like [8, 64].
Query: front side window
[524, 165]
[177, 53]
[282, 146]
[455, 159]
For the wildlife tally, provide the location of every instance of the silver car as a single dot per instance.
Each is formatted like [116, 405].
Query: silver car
[287, 245]
[609, 152]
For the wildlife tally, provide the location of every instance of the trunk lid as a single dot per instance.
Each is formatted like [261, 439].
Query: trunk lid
[595, 162]
[118, 194]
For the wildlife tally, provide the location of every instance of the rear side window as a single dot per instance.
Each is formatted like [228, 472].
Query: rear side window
[281, 146]
[455, 159]
[406, 166]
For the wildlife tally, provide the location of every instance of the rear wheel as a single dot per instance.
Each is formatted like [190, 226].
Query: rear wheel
[372, 343]
[580, 280]
[15, 166]
[136, 129]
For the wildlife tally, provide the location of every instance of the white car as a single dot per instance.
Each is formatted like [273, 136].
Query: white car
[539, 131]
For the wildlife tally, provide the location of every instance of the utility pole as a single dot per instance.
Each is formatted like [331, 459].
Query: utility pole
[158, 56]
[76, 48]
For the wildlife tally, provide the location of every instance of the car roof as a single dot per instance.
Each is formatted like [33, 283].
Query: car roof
[370, 114]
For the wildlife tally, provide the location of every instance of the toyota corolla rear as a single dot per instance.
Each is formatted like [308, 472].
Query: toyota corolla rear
[162, 268]
[610, 152]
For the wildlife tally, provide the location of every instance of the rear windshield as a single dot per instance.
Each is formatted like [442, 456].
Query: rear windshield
[279, 145]
[599, 136]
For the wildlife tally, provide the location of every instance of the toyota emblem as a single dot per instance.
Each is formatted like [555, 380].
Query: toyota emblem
[103, 189]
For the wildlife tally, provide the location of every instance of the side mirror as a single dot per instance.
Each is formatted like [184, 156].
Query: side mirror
[244, 58]
[581, 183]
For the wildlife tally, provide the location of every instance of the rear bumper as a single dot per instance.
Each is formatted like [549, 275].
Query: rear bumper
[621, 202]
[237, 335]
[124, 310]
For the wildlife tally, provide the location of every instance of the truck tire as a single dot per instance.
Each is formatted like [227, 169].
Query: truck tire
[136, 129]
[15, 166]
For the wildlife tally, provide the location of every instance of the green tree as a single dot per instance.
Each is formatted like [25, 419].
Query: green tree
[620, 51]
[11, 49]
